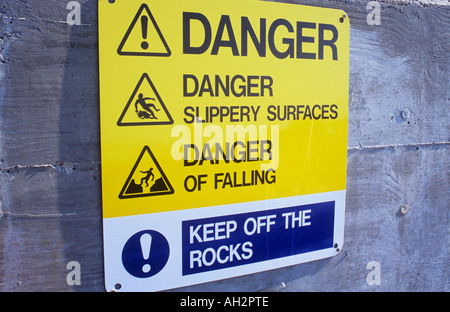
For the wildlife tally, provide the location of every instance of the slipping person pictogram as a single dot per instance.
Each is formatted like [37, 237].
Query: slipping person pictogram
[147, 113]
[149, 108]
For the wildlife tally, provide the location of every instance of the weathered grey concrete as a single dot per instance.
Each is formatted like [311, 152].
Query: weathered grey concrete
[398, 153]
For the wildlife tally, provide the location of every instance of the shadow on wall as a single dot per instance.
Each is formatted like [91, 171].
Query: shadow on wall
[79, 184]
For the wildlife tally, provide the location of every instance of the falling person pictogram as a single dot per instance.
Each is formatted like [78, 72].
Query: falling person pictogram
[149, 174]
[146, 178]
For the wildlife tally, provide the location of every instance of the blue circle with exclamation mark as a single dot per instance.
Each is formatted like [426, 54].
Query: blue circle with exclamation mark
[145, 253]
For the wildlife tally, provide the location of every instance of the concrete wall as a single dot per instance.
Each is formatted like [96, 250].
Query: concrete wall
[398, 153]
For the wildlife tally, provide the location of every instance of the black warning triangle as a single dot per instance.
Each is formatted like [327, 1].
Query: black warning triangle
[145, 106]
[146, 178]
[143, 37]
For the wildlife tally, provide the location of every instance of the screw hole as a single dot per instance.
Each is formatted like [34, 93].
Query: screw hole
[335, 245]
[111, 1]
[118, 285]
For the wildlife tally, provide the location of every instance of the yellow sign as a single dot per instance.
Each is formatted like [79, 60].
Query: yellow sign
[239, 101]
[223, 138]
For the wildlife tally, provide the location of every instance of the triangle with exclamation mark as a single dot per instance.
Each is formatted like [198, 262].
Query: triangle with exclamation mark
[144, 37]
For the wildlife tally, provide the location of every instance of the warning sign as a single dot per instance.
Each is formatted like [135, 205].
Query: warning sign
[223, 138]
[143, 37]
[145, 106]
[146, 178]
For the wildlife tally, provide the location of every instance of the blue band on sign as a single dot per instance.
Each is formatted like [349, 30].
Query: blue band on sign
[227, 241]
